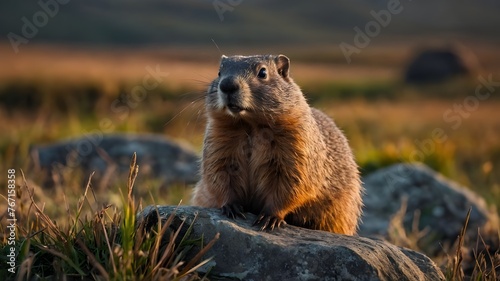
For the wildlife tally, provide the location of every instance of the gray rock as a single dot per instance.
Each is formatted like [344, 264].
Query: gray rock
[293, 253]
[109, 156]
[441, 204]
[440, 64]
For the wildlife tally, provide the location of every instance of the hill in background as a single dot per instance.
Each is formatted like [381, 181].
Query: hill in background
[189, 22]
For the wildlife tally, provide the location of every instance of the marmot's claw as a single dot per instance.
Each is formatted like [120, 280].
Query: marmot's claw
[233, 211]
[269, 222]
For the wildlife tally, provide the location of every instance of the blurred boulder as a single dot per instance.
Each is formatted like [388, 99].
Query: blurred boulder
[109, 157]
[432, 202]
[440, 64]
[290, 253]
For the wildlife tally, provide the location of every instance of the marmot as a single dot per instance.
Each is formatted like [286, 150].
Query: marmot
[268, 153]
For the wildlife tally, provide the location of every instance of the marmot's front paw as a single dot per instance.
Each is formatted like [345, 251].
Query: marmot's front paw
[268, 222]
[233, 211]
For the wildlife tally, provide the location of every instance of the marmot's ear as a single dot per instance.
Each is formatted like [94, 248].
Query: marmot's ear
[282, 64]
[222, 59]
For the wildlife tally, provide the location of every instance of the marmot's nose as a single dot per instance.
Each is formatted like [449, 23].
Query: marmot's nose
[228, 85]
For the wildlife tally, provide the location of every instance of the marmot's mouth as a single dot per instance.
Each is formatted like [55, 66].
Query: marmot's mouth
[234, 108]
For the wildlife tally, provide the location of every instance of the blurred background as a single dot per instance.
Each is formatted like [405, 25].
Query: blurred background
[406, 80]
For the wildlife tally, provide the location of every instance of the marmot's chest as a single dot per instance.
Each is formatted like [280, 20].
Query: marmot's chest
[254, 153]
[260, 143]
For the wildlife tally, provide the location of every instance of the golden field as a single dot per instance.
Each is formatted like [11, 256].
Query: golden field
[49, 93]
[65, 92]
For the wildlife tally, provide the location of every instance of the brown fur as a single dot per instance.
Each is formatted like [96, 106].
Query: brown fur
[267, 152]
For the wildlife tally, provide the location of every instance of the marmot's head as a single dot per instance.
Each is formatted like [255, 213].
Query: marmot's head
[252, 87]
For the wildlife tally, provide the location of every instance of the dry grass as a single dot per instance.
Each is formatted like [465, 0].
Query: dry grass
[471, 260]
[103, 243]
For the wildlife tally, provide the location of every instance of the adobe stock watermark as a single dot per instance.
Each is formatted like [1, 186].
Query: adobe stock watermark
[452, 116]
[223, 6]
[120, 109]
[48, 9]
[372, 29]
[11, 220]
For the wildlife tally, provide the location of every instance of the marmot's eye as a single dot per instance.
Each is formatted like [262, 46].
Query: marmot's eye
[218, 74]
[262, 73]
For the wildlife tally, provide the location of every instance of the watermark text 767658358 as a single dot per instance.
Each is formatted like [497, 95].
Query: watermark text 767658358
[11, 220]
